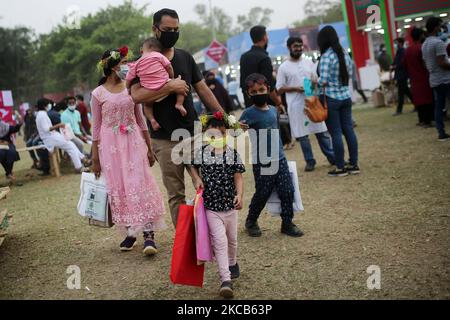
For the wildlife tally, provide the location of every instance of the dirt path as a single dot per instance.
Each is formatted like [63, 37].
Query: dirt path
[396, 215]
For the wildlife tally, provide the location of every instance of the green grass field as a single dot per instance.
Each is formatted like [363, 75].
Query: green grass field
[395, 215]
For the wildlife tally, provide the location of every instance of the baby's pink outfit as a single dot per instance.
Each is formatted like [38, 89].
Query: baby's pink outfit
[151, 69]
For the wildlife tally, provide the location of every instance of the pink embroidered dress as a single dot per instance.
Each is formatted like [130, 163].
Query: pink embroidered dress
[135, 199]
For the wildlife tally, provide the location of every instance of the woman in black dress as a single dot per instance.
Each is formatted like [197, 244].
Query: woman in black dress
[8, 153]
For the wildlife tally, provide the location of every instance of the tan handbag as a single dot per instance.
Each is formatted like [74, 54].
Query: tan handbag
[314, 109]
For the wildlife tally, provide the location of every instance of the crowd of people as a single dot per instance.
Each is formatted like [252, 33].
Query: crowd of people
[422, 73]
[124, 157]
[139, 106]
[45, 127]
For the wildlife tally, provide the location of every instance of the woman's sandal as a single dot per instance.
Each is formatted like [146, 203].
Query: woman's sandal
[13, 182]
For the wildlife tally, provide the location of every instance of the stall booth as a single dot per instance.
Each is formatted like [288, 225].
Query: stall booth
[371, 23]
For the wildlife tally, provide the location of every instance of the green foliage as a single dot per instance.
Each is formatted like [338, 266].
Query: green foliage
[194, 37]
[256, 16]
[69, 56]
[198, 35]
[222, 22]
[321, 11]
[16, 51]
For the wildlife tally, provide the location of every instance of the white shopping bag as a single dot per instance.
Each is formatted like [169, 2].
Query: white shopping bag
[67, 132]
[274, 203]
[93, 203]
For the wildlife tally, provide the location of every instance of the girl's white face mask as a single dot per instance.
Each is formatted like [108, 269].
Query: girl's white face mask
[122, 73]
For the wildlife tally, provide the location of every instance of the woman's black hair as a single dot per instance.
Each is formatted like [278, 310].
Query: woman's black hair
[107, 69]
[417, 33]
[60, 106]
[328, 38]
[42, 103]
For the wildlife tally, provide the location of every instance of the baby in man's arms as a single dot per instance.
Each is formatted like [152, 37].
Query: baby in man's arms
[154, 70]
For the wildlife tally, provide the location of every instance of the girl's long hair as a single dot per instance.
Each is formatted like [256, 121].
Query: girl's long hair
[107, 69]
[328, 38]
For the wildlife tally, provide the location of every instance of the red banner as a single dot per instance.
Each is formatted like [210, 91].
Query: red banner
[6, 114]
[411, 7]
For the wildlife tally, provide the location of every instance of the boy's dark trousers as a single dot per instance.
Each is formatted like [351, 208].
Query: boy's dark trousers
[265, 184]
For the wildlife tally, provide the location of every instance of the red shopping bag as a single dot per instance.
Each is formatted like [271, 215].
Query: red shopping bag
[184, 270]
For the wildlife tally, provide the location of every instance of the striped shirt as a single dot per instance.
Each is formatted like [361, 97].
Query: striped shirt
[329, 74]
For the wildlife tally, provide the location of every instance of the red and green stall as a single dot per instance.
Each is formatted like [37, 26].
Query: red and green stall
[374, 22]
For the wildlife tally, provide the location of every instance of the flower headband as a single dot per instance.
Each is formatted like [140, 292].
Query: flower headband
[118, 54]
[230, 121]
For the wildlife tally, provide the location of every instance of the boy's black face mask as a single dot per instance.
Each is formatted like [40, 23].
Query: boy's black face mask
[260, 100]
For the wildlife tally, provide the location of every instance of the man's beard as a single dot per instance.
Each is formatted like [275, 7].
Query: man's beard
[296, 55]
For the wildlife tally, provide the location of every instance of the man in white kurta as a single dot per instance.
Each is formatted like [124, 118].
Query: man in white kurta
[53, 139]
[290, 80]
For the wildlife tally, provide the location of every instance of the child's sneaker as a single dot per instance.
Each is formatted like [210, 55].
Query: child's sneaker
[235, 272]
[253, 229]
[128, 244]
[291, 230]
[338, 173]
[444, 138]
[149, 244]
[353, 170]
[226, 290]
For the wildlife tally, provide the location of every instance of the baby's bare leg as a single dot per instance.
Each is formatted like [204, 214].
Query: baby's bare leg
[148, 110]
[179, 105]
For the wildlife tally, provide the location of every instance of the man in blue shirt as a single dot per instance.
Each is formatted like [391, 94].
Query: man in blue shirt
[71, 116]
[270, 167]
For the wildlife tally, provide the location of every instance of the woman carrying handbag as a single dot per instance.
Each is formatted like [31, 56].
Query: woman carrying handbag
[122, 153]
[335, 70]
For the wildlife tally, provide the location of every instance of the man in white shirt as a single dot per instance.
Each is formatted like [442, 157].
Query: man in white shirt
[290, 80]
[53, 139]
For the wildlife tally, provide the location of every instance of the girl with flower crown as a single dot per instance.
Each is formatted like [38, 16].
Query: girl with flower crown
[217, 169]
[122, 153]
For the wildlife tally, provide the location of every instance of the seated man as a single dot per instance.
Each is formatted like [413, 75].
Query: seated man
[30, 132]
[54, 111]
[42, 160]
[53, 139]
[8, 153]
[71, 116]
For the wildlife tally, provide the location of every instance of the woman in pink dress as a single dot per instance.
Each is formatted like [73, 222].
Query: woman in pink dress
[122, 152]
